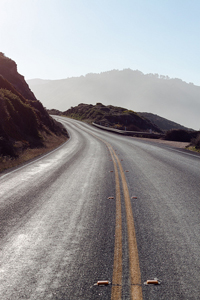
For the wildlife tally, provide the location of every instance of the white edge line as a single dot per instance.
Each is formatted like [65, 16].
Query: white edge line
[35, 160]
[168, 147]
[197, 156]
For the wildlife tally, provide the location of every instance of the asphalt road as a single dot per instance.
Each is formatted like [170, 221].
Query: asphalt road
[61, 230]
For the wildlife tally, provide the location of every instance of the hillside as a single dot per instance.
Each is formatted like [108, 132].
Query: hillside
[162, 123]
[172, 99]
[24, 123]
[8, 69]
[111, 116]
[123, 119]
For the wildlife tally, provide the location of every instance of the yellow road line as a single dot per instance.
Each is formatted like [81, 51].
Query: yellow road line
[134, 268]
[117, 266]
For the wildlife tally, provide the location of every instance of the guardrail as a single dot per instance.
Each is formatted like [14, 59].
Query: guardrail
[130, 133]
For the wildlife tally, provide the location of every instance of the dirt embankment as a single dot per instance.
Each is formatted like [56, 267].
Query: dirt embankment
[26, 129]
[27, 155]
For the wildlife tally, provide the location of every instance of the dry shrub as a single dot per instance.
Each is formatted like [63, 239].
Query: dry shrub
[196, 142]
[178, 135]
[51, 143]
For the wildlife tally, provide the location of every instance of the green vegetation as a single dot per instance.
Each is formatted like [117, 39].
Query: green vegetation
[9, 74]
[121, 118]
[24, 124]
[180, 135]
[192, 148]
[11, 117]
[18, 123]
[112, 116]
[195, 142]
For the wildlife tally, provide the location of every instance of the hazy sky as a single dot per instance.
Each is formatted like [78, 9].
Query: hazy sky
[54, 39]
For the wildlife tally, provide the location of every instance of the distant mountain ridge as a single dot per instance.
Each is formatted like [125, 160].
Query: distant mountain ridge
[172, 99]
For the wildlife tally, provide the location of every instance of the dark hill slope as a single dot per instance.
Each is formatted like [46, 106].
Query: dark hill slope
[162, 123]
[14, 128]
[112, 116]
[23, 123]
[8, 69]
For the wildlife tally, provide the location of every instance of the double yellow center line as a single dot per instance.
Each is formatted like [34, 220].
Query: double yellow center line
[134, 269]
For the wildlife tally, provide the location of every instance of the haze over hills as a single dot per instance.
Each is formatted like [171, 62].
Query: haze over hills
[173, 99]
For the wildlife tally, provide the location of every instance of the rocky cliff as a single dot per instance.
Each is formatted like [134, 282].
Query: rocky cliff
[24, 122]
[8, 69]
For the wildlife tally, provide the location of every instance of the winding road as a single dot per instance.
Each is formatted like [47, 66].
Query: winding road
[102, 207]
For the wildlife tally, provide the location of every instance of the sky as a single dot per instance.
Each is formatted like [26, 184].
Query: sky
[56, 39]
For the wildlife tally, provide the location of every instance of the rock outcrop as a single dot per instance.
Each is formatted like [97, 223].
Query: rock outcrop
[112, 116]
[8, 69]
[24, 122]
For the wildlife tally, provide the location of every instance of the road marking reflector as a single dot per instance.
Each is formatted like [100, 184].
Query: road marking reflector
[152, 281]
[103, 282]
[126, 171]
[134, 268]
[111, 171]
[110, 197]
[133, 197]
[135, 276]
